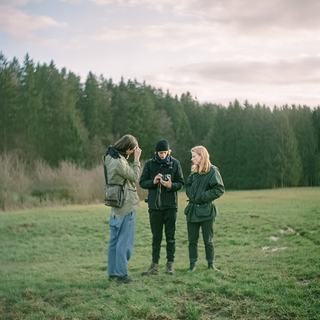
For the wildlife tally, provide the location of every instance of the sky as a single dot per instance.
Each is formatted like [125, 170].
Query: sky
[265, 51]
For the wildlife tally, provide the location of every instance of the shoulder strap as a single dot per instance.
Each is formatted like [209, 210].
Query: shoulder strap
[105, 170]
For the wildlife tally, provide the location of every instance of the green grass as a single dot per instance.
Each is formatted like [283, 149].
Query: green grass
[53, 263]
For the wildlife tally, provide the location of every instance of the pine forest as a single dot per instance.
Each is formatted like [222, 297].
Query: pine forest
[49, 115]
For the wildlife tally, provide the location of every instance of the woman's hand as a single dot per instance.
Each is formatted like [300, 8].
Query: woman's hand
[137, 153]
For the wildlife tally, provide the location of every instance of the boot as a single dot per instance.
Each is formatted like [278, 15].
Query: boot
[154, 269]
[211, 266]
[169, 268]
[192, 267]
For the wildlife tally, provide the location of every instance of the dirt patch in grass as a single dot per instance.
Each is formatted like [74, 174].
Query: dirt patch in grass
[161, 316]
[22, 227]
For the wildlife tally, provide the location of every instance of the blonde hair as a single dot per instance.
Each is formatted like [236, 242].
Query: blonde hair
[204, 166]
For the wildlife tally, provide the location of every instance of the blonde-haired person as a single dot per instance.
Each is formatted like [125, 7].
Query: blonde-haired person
[204, 185]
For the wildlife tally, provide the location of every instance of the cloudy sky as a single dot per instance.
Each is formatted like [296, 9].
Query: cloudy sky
[265, 51]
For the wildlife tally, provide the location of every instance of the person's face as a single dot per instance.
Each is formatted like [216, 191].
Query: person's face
[129, 151]
[163, 154]
[196, 158]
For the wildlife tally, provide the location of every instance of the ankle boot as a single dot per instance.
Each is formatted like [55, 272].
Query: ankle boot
[192, 266]
[211, 266]
[169, 268]
[153, 269]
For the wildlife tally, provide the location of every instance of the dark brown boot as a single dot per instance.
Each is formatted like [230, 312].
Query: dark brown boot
[154, 269]
[169, 268]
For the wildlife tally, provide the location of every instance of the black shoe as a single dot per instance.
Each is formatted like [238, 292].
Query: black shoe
[192, 267]
[113, 278]
[126, 279]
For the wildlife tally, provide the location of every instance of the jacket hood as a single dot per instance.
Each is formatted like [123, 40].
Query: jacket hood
[115, 153]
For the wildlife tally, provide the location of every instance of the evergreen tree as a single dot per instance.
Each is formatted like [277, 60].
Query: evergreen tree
[134, 112]
[208, 114]
[316, 125]
[192, 110]
[182, 131]
[31, 108]
[95, 107]
[59, 135]
[303, 127]
[257, 123]
[165, 124]
[234, 146]
[217, 145]
[10, 115]
[285, 153]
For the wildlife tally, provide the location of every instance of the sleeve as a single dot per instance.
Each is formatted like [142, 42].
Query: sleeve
[124, 170]
[146, 182]
[216, 188]
[178, 181]
[188, 187]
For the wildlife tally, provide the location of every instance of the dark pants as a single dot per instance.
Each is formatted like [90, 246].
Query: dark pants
[158, 218]
[193, 236]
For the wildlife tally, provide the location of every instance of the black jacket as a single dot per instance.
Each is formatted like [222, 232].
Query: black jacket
[160, 197]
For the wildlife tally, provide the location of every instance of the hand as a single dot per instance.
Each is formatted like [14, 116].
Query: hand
[157, 178]
[137, 153]
[167, 184]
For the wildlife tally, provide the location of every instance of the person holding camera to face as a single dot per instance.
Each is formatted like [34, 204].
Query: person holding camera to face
[162, 176]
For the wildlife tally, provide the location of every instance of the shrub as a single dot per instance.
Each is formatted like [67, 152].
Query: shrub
[39, 184]
[14, 181]
[68, 183]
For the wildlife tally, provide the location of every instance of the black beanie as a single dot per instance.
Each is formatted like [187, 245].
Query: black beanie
[162, 145]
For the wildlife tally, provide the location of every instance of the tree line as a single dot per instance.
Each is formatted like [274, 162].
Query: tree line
[48, 114]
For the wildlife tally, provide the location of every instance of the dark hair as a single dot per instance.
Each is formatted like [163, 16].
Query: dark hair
[126, 142]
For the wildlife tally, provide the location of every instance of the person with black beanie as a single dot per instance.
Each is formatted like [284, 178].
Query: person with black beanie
[162, 176]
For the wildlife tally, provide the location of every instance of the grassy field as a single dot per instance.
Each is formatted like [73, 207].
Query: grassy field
[267, 245]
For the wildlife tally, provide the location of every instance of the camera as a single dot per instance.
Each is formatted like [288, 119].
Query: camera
[165, 177]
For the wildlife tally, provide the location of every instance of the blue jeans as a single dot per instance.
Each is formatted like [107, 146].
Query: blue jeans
[121, 244]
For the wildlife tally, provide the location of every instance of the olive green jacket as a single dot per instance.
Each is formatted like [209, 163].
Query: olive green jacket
[118, 171]
[202, 190]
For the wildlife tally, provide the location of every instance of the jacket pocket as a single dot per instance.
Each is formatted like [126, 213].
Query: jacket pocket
[203, 210]
[187, 209]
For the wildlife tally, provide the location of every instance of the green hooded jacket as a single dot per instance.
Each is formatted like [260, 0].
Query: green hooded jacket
[119, 170]
[202, 190]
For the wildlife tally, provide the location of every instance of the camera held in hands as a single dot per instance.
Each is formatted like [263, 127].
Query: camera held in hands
[165, 177]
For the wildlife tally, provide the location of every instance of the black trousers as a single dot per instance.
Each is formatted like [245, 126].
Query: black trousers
[158, 219]
[193, 236]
